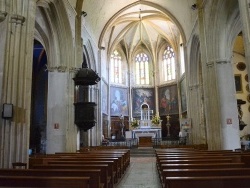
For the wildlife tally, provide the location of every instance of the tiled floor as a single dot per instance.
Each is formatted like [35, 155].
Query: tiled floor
[141, 173]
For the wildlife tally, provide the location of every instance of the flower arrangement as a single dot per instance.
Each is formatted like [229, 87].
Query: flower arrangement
[135, 123]
[245, 137]
[156, 119]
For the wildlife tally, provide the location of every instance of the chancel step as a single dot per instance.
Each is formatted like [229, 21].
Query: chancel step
[142, 152]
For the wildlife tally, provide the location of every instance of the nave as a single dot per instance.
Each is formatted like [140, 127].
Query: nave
[142, 173]
[107, 167]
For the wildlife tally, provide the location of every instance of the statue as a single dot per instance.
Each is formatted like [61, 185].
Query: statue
[122, 126]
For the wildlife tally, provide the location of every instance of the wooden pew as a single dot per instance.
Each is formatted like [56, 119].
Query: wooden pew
[105, 179]
[111, 173]
[120, 160]
[113, 169]
[199, 166]
[119, 166]
[203, 172]
[206, 172]
[202, 165]
[188, 166]
[93, 174]
[34, 181]
[208, 182]
[123, 154]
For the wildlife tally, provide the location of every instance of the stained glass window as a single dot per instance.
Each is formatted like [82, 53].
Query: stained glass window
[141, 69]
[116, 68]
[168, 69]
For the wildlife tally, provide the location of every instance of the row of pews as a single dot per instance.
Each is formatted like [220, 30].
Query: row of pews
[192, 168]
[95, 168]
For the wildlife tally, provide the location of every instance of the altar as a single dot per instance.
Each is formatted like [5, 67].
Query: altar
[146, 130]
[149, 132]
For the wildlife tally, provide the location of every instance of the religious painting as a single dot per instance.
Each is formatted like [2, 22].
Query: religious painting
[104, 98]
[168, 100]
[140, 96]
[118, 101]
[183, 95]
[238, 83]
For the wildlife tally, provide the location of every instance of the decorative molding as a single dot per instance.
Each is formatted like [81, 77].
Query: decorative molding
[3, 15]
[74, 69]
[51, 69]
[223, 62]
[62, 68]
[17, 19]
[210, 64]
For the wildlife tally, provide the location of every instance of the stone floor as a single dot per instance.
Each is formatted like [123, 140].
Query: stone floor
[141, 173]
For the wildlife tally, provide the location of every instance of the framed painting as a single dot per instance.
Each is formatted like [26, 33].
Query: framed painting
[140, 96]
[104, 98]
[183, 95]
[118, 101]
[238, 83]
[168, 100]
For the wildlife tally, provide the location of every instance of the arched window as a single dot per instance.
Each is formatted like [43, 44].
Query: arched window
[141, 69]
[168, 66]
[116, 68]
[182, 71]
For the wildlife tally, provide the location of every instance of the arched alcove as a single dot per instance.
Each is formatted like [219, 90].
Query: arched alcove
[38, 125]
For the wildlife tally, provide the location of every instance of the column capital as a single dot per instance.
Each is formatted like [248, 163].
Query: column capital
[3, 15]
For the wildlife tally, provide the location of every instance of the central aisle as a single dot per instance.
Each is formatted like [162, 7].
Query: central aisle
[141, 173]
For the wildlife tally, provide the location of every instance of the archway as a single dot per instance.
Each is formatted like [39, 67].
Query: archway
[39, 99]
[196, 95]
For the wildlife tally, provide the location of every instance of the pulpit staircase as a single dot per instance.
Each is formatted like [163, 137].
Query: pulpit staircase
[142, 152]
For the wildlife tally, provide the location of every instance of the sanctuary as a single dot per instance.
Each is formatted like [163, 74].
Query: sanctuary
[146, 130]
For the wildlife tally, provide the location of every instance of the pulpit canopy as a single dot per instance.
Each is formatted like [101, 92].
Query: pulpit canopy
[86, 76]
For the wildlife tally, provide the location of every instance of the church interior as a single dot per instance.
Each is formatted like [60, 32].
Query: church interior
[76, 74]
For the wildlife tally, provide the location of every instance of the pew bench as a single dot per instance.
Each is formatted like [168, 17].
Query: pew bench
[105, 178]
[45, 181]
[111, 172]
[208, 182]
[93, 174]
[203, 172]
[120, 160]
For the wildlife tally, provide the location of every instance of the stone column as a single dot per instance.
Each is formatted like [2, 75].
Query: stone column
[57, 118]
[228, 106]
[210, 84]
[198, 133]
[17, 30]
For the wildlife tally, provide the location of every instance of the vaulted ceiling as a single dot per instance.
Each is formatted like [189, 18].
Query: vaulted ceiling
[133, 23]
